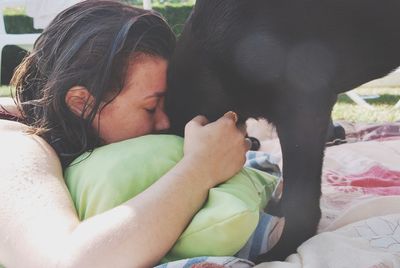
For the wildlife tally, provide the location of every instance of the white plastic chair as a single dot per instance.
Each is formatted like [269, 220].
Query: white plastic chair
[24, 41]
[360, 101]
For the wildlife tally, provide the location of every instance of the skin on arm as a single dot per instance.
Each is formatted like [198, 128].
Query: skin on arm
[39, 221]
[36, 211]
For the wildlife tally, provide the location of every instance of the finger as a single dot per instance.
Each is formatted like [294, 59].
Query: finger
[231, 115]
[199, 120]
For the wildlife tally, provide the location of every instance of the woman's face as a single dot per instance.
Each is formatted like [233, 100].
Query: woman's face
[139, 108]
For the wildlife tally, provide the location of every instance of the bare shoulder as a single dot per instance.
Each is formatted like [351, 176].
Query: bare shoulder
[6, 126]
[26, 158]
[23, 149]
[8, 105]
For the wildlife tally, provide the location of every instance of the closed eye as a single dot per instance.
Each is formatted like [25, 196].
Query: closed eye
[151, 111]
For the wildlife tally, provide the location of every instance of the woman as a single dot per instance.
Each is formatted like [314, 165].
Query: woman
[97, 75]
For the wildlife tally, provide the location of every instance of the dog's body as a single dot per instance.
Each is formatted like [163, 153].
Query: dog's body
[285, 61]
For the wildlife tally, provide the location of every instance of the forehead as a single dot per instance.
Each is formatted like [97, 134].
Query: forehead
[147, 74]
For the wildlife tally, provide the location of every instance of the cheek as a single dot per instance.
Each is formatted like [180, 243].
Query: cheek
[119, 121]
[136, 124]
[140, 128]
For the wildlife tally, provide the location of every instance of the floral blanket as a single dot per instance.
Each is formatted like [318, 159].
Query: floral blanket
[365, 168]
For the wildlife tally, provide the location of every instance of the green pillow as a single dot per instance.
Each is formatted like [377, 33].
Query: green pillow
[115, 173]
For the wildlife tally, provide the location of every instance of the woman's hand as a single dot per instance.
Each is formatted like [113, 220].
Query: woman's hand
[216, 150]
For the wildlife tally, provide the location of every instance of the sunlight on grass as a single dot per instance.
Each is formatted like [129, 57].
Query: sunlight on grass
[4, 91]
[11, 11]
[382, 99]
[356, 113]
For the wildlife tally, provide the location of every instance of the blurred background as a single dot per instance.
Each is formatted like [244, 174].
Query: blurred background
[21, 17]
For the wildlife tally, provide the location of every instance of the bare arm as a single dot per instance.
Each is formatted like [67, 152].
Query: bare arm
[38, 220]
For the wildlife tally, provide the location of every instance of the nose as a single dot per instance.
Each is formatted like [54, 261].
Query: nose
[162, 121]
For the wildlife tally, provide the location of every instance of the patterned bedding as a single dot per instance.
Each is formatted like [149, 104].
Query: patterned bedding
[360, 203]
[367, 167]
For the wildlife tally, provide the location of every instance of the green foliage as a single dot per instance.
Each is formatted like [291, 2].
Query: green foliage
[175, 14]
[174, 11]
[18, 24]
[14, 11]
[159, 2]
[5, 91]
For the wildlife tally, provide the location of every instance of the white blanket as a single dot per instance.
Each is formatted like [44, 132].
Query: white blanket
[365, 240]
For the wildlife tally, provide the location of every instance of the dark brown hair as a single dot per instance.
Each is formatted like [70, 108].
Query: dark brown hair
[89, 45]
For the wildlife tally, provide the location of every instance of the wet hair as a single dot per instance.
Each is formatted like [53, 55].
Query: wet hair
[89, 44]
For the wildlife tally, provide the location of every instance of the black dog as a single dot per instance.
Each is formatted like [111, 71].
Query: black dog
[285, 61]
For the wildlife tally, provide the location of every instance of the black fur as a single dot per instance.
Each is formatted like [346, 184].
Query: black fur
[285, 61]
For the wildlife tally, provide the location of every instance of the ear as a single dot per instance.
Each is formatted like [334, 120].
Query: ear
[79, 100]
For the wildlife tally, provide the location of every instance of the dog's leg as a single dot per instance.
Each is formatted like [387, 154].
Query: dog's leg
[302, 133]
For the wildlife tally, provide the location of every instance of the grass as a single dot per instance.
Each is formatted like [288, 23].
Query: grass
[4, 91]
[345, 109]
[12, 11]
[383, 111]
